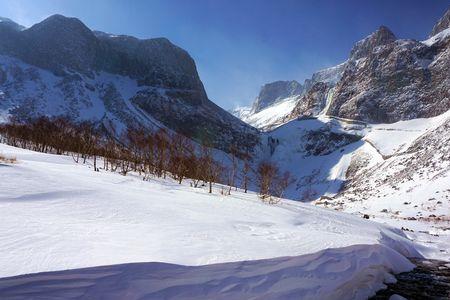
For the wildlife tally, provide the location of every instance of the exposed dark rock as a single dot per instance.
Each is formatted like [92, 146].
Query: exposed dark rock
[324, 141]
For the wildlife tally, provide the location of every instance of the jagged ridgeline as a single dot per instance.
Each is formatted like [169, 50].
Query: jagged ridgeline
[59, 67]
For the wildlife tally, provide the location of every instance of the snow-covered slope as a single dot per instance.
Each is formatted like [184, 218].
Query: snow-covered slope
[58, 215]
[315, 151]
[401, 175]
[270, 117]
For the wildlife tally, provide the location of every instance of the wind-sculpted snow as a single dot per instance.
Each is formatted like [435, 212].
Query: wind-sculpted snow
[353, 272]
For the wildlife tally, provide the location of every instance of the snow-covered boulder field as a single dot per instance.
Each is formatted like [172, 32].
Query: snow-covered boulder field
[58, 215]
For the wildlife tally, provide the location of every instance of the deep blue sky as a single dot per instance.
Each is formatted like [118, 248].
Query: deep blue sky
[240, 45]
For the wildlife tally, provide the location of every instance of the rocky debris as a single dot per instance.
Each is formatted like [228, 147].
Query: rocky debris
[272, 93]
[137, 81]
[429, 280]
[442, 24]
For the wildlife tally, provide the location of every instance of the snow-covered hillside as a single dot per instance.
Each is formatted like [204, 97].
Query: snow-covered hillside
[270, 117]
[401, 175]
[58, 215]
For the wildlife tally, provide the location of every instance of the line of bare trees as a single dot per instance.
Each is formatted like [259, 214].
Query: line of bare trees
[159, 153]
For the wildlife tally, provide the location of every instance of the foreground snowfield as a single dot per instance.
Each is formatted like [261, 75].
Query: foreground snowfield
[57, 215]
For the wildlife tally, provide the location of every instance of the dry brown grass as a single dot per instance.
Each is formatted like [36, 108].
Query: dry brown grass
[7, 160]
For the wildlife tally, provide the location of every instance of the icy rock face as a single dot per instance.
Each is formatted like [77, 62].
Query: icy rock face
[388, 80]
[442, 24]
[273, 92]
[61, 67]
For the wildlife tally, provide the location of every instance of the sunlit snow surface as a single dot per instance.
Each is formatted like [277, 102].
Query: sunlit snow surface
[58, 215]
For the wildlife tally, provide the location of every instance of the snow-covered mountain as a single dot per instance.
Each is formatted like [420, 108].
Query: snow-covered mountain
[60, 67]
[385, 80]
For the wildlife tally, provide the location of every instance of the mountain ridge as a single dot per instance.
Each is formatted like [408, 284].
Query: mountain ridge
[130, 82]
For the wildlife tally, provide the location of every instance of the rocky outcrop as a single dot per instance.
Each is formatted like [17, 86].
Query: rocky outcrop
[313, 102]
[273, 92]
[442, 24]
[60, 67]
[389, 80]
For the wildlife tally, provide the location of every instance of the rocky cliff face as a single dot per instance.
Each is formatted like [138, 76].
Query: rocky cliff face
[442, 24]
[318, 93]
[273, 92]
[61, 67]
[393, 80]
[312, 103]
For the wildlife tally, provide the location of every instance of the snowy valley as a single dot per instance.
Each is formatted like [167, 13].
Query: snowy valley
[158, 193]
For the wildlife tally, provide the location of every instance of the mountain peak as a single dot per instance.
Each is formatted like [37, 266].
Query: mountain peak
[442, 24]
[59, 42]
[382, 36]
[10, 23]
[60, 23]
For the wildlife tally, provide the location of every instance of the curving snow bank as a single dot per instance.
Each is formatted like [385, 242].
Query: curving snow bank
[354, 272]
